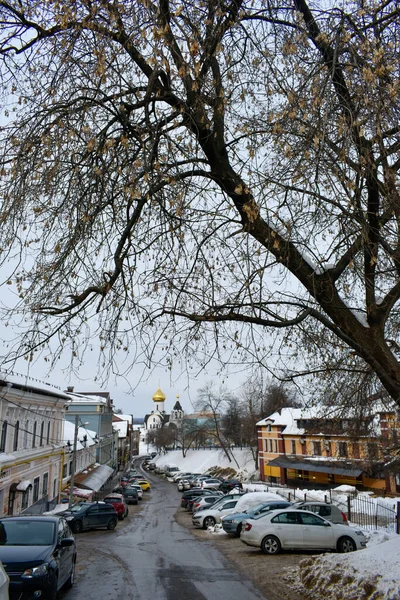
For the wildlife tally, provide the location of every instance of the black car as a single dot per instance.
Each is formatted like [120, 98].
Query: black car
[91, 515]
[229, 484]
[193, 493]
[130, 495]
[38, 554]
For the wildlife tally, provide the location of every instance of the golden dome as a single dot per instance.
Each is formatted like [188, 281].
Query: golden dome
[159, 396]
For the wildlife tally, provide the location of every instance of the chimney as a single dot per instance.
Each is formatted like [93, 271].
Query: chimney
[70, 389]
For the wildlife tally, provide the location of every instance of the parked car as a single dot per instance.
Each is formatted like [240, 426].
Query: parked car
[183, 484]
[139, 490]
[204, 502]
[294, 529]
[131, 495]
[193, 493]
[330, 512]
[91, 515]
[4, 583]
[212, 483]
[196, 482]
[208, 517]
[38, 554]
[144, 484]
[233, 523]
[229, 485]
[119, 503]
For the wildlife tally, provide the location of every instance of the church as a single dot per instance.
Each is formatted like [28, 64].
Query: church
[159, 418]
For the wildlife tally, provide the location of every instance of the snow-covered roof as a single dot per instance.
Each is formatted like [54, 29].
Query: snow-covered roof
[121, 427]
[128, 418]
[287, 418]
[25, 381]
[81, 399]
[69, 434]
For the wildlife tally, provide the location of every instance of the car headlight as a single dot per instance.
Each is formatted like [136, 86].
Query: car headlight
[39, 571]
[69, 518]
[358, 532]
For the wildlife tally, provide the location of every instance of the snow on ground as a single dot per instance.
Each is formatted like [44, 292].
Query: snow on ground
[370, 574]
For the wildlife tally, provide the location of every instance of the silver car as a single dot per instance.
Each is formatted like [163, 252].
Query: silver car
[330, 512]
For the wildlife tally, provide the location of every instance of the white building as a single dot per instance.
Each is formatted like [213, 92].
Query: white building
[31, 446]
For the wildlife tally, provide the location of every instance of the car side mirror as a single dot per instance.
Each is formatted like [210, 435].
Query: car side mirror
[66, 542]
[326, 524]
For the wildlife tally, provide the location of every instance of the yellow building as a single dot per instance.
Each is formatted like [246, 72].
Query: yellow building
[302, 448]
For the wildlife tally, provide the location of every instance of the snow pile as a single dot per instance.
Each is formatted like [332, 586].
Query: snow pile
[252, 499]
[373, 573]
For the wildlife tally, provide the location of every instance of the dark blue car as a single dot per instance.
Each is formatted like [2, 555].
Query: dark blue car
[233, 523]
[38, 554]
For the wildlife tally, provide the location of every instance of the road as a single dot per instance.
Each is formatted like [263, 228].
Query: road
[151, 557]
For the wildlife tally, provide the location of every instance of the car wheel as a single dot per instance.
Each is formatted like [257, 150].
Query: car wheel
[239, 529]
[52, 592]
[71, 579]
[77, 526]
[126, 512]
[208, 522]
[112, 523]
[270, 545]
[346, 544]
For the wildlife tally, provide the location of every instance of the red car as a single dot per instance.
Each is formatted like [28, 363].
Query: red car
[118, 502]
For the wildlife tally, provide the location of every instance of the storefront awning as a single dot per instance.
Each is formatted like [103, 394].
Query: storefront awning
[95, 478]
[334, 467]
[79, 492]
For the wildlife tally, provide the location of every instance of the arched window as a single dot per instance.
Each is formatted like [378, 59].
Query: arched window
[16, 435]
[34, 435]
[3, 437]
[41, 433]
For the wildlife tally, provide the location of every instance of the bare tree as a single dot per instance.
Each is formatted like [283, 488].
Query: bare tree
[212, 403]
[171, 170]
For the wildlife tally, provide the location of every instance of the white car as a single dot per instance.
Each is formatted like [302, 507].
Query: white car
[292, 529]
[208, 517]
[205, 502]
[183, 484]
[210, 483]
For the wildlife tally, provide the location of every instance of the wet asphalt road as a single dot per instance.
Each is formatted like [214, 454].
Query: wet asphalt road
[151, 557]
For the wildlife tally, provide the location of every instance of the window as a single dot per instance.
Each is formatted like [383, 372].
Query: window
[26, 432]
[317, 448]
[16, 435]
[291, 518]
[70, 468]
[342, 448]
[45, 484]
[34, 435]
[270, 445]
[55, 487]
[372, 450]
[41, 433]
[35, 489]
[275, 445]
[3, 439]
[293, 447]
[64, 470]
[266, 445]
[48, 433]
[311, 520]
[25, 500]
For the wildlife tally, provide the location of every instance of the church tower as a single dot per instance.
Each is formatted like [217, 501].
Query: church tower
[158, 399]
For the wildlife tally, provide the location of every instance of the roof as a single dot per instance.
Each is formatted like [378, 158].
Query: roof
[30, 383]
[121, 427]
[95, 478]
[159, 396]
[335, 467]
[75, 398]
[69, 434]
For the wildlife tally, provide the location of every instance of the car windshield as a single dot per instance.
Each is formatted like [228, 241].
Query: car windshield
[25, 532]
[77, 508]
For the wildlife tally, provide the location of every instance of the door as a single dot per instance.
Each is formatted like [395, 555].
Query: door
[65, 556]
[317, 533]
[289, 529]
[91, 517]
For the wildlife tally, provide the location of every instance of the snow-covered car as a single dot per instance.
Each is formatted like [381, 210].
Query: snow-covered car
[298, 529]
[208, 517]
[233, 523]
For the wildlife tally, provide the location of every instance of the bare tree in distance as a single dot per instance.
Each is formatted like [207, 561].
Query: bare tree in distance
[260, 398]
[188, 178]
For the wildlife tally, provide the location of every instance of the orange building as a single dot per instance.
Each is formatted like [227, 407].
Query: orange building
[301, 447]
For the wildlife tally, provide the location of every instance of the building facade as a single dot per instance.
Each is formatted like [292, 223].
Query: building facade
[300, 448]
[31, 446]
